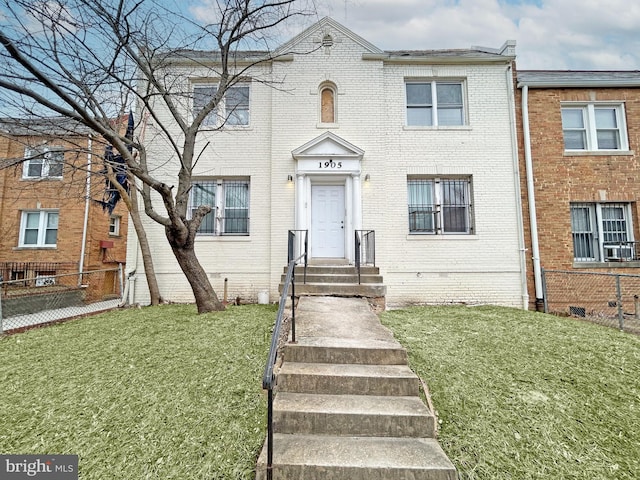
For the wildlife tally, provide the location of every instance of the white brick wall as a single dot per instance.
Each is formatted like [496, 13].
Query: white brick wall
[479, 268]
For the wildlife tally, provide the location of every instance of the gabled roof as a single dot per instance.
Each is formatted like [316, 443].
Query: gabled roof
[327, 145]
[504, 54]
[322, 27]
[578, 78]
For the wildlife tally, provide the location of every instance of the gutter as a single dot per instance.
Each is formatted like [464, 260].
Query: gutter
[87, 202]
[535, 248]
[516, 170]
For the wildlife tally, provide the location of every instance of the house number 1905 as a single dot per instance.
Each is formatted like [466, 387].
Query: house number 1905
[329, 164]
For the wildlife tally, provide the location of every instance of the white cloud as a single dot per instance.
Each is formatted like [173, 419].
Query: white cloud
[570, 34]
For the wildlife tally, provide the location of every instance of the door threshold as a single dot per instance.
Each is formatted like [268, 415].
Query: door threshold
[328, 261]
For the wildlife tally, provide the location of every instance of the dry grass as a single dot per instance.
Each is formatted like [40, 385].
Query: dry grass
[523, 395]
[153, 393]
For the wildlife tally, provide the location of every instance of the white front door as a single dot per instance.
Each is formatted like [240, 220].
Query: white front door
[327, 221]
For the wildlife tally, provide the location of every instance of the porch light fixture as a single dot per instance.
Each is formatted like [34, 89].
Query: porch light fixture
[290, 178]
[367, 177]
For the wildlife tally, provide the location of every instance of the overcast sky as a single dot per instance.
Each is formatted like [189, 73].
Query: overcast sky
[550, 34]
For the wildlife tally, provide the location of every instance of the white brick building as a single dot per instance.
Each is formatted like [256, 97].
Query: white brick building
[418, 146]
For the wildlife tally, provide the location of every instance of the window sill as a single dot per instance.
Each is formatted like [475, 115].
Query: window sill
[597, 153]
[327, 125]
[410, 128]
[223, 238]
[41, 179]
[236, 128]
[35, 247]
[441, 237]
[634, 264]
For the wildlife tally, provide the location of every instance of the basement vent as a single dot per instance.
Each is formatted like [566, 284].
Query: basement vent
[577, 311]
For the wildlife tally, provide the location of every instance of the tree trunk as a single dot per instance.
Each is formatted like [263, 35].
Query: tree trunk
[147, 259]
[205, 296]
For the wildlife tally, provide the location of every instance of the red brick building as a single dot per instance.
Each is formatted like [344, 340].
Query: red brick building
[50, 223]
[579, 144]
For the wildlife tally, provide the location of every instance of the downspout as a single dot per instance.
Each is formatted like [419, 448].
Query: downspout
[87, 202]
[516, 171]
[535, 248]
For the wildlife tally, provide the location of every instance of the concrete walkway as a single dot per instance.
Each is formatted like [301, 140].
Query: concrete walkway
[347, 406]
[340, 321]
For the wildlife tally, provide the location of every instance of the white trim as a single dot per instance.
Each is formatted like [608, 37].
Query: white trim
[42, 229]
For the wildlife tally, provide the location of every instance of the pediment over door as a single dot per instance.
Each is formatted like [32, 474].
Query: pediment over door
[328, 153]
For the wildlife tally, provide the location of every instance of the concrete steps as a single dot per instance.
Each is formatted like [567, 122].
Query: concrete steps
[352, 415]
[347, 406]
[342, 379]
[338, 281]
[304, 457]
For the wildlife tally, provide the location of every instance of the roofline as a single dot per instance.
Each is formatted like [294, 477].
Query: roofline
[436, 59]
[583, 83]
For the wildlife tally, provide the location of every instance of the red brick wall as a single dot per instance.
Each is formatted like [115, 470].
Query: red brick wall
[560, 179]
[68, 196]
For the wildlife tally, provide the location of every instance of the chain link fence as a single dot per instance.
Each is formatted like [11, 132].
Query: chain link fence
[42, 298]
[611, 299]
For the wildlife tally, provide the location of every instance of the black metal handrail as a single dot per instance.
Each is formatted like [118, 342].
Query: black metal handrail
[365, 249]
[298, 240]
[268, 379]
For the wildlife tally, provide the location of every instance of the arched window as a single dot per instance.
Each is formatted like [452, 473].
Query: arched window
[327, 104]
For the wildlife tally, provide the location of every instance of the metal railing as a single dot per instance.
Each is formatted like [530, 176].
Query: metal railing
[297, 247]
[620, 251]
[587, 249]
[268, 379]
[365, 249]
[29, 272]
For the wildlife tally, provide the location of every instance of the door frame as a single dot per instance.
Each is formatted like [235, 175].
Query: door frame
[312, 247]
[330, 160]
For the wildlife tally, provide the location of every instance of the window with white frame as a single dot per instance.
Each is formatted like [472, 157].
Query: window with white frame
[229, 202]
[594, 126]
[43, 162]
[431, 103]
[114, 225]
[602, 232]
[232, 110]
[439, 206]
[39, 228]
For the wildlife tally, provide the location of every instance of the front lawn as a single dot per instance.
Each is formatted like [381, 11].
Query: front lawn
[523, 395]
[153, 393]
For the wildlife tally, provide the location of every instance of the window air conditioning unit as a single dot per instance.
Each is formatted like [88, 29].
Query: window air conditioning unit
[618, 253]
[42, 281]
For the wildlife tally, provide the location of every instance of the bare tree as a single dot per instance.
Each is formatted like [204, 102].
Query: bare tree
[90, 60]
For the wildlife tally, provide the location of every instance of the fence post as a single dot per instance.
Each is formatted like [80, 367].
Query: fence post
[121, 280]
[1, 326]
[544, 290]
[619, 302]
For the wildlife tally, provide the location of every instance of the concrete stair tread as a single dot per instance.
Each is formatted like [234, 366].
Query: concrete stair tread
[347, 379]
[371, 458]
[346, 351]
[355, 343]
[351, 404]
[347, 370]
[350, 415]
